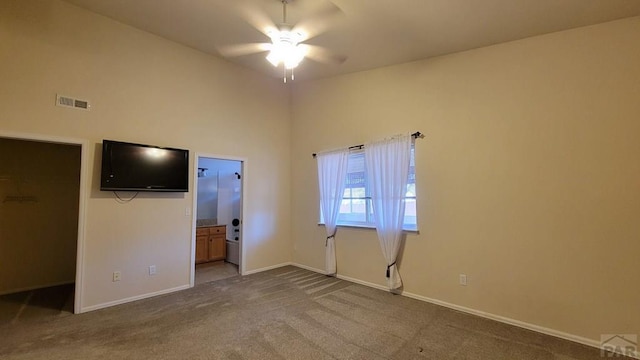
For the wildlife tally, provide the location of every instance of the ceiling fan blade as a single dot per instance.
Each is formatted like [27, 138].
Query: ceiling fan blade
[243, 49]
[323, 18]
[322, 55]
[256, 18]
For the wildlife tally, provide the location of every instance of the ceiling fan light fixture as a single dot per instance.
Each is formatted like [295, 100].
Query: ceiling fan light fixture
[285, 49]
[273, 57]
[294, 58]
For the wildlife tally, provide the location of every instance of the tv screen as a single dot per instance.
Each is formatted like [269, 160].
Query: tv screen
[137, 167]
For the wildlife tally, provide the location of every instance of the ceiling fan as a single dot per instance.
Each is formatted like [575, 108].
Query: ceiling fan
[287, 46]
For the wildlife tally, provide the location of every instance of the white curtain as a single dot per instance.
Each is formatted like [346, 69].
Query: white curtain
[387, 166]
[332, 170]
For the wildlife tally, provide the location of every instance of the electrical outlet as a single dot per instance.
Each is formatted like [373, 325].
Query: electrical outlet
[117, 275]
[152, 270]
[463, 279]
[187, 211]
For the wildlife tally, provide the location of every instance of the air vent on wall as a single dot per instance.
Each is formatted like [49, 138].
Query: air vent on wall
[69, 102]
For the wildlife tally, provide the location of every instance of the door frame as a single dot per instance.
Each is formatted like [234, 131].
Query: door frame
[82, 201]
[244, 170]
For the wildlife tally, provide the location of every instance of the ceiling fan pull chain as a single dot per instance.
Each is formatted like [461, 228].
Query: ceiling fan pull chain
[284, 74]
[293, 77]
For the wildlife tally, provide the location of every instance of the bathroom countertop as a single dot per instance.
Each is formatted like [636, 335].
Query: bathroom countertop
[207, 222]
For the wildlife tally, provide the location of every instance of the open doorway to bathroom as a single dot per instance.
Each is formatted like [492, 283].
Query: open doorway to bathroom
[218, 218]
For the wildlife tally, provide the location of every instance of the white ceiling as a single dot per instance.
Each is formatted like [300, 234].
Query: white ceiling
[371, 33]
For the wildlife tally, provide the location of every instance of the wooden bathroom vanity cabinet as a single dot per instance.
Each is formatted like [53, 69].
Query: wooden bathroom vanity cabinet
[211, 243]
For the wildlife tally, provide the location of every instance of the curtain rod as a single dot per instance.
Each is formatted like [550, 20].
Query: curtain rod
[416, 135]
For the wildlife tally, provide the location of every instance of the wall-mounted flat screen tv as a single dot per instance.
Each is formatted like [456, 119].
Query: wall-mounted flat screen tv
[137, 167]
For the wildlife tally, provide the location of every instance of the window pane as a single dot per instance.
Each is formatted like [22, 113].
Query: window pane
[345, 206]
[410, 217]
[359, 206]
[354, 206]
[411, 190]
[358, 192]
[352, 210]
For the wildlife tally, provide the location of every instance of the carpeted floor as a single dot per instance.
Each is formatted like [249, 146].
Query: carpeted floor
[286, 313]
[213, 271]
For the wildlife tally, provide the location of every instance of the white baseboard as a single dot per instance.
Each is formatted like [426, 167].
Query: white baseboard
[267, 268]
[502, 319]
[505, 320]
[41, 286]
[133, 298]
[165, 291]
[309, 268]
[518, 323]
[365, 283]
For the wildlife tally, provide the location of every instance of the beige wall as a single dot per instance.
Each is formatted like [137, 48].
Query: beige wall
[148, 90]
[528, 180]
[38, 236]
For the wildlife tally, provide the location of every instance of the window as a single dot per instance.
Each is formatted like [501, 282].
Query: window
[356, 208]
